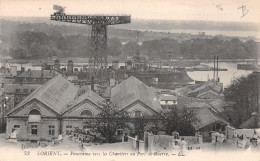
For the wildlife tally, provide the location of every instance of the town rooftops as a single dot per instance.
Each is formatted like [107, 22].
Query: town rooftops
[209, 95]
[221, 104]
[12, 88]
[131, 90]
[45, 74]
[209, 85]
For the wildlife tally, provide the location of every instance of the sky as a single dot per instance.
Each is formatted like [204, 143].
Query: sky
[205, 10]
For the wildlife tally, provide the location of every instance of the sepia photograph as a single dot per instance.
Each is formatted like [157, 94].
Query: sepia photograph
[129, 80]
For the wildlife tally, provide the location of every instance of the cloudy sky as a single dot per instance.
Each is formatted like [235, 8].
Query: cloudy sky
[209, 10]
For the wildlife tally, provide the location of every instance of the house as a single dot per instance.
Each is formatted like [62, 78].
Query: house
[208, 90]
[251, 123]
[167, 100]
[208, 119]
[52, 109]
[17, 92]
[135, 97]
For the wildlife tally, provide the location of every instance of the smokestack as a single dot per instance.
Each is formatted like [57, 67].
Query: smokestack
[42, 76]
[214, 69]
[92, 83]
[217, 69]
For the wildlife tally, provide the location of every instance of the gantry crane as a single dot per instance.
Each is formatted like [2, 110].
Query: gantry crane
[98, 42]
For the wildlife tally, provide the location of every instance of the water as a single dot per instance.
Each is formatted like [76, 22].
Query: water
[226, 77]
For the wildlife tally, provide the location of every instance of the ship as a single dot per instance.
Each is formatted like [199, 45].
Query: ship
[253, 67]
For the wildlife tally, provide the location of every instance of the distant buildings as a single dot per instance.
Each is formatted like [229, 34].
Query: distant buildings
[35, 76]
[207, 90]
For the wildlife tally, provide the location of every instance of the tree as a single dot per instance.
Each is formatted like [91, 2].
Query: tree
[130, 48]
[111, 119]
[114, 47]
[244, 93]
[180, 120]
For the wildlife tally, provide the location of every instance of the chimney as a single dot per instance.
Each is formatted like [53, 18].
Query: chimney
[42, 76]
[92, 83]
[214, 69]
[29, 71]
[217, 70]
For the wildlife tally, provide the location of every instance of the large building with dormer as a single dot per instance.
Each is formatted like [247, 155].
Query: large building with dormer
[52, 109]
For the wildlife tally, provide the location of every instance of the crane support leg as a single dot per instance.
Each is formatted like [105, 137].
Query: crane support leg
[98, 59]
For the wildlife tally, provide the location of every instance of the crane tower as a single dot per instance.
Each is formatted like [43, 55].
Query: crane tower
[98, 42]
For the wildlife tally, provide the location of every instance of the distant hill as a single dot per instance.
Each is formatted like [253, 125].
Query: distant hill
[139, 24]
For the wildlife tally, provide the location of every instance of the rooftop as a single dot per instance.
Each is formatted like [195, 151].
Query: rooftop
[56, 94]
[132, 90]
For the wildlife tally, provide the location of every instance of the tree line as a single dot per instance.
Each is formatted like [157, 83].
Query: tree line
[33, 45]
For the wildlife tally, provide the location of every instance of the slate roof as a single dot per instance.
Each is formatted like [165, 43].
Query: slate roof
[47, 74]
[250, 123]
[213, 94]
[221, 104]
[88, 95]
[207, 117]
[55, 94]
[216, 87]
[198, 105]
[168, 98]
[132, 90]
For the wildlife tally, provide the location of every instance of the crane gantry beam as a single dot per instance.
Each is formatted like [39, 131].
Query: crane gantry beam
[99, 23]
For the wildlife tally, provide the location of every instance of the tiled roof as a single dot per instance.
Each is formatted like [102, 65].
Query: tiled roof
[132, 90]
[55, 94]
[47, 74]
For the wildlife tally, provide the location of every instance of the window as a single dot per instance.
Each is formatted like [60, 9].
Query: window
[34, 129]
[86, 113]
[51, 130]
[16, 99]
[17, 90]
[138, 113]
[68, 130]
[34, 112]
[16, 126]
[25, 90]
